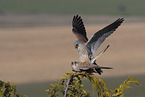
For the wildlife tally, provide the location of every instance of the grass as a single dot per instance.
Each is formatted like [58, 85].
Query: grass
[133, 7]
[38, 89]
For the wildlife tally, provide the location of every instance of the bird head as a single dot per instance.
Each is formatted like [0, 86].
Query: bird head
[75, 65]
[77, 43]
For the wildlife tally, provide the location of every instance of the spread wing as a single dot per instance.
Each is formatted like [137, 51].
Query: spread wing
[97, 39]
[79, 29]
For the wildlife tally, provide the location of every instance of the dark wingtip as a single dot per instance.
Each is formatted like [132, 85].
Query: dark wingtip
[78, 26]
[117, 23]
[120, 20]
[76, 17]
[107, 46]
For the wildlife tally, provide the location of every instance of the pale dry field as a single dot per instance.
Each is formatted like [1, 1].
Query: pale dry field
[45, 53]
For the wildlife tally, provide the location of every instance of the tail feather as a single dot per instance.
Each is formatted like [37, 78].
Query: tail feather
[98, 70]
[106, 67]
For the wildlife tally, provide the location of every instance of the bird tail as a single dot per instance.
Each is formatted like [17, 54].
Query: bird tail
[99, 70]
[106, 67]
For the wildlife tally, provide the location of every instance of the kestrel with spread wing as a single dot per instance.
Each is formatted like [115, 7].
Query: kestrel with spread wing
[87, 47]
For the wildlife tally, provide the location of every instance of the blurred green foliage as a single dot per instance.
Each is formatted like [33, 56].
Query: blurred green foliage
[98, 7]
[71, 86]
[8, 89]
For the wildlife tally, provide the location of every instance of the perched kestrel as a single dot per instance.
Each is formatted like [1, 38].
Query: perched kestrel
[86, 48]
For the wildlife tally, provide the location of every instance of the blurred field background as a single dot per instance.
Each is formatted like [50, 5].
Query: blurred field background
[36, 42]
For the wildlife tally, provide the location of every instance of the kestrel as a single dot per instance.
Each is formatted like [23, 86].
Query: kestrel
[87, 47]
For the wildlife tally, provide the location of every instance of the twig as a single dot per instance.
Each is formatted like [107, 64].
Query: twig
[67, 84]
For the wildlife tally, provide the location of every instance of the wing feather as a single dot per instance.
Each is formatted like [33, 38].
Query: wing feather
[97, 39]
[79, 29]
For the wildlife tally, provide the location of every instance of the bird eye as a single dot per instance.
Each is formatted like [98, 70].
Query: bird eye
[76, 46]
